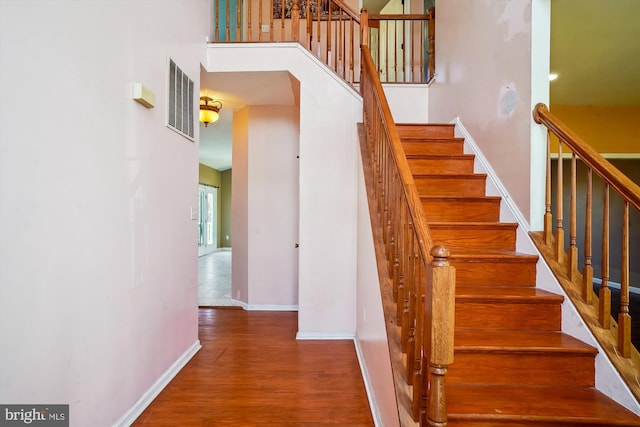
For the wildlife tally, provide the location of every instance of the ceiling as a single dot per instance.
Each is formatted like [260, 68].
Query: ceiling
[235, 91]
[595, 50]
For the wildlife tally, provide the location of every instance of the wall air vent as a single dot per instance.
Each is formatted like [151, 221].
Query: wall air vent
[181, 103]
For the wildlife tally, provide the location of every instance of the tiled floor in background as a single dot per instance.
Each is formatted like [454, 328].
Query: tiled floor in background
[214, 278]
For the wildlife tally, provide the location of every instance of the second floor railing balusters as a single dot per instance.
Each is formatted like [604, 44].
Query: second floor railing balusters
[333, 32]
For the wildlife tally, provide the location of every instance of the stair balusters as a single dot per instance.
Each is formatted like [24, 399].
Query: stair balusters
[582, 284]
[422, 278]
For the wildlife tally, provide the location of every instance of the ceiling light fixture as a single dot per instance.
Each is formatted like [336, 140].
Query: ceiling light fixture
[209, 110]
[553, 76]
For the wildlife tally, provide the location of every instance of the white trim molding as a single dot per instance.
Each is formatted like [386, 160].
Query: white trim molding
[271, 307]
[145, 400]
[310, 335]
[375, 411]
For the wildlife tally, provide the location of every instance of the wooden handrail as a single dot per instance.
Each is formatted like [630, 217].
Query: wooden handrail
[423, 280]
[413, 198]
[628, 189]
[346, 9]
[568, 264]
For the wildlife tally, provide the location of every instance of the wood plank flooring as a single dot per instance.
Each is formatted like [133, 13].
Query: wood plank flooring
[251, 371]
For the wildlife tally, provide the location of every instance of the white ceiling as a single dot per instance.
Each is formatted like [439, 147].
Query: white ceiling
[595, 49]
[235, 91]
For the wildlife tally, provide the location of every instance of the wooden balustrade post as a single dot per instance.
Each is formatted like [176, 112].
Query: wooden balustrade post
[216, 31]
[548, 216]
[573, 222]
[271, 28]
[587, 271]
[418, 376]
[439, 308]
[364, 27]
[249, 17]
[329, 47]
[351, 55]
[228, 21]
[624, 318]
[239, 21]
[309, 27]
[260, 20]
[295, 20]
[559, 209]
[432, 43]
[604, 309]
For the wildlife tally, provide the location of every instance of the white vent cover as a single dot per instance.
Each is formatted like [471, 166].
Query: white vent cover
[180, 106]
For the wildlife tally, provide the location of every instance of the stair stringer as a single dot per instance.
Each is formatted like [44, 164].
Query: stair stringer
[608, 379]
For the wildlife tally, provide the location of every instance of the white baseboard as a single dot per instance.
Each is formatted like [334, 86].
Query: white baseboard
[484, 164]
[134, 412]
[271, 307]
[311, 335]
[240, 303]
[375, 412]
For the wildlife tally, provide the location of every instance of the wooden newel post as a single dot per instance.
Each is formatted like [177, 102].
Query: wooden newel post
[442, 308]
[364, 27]
[295, 20]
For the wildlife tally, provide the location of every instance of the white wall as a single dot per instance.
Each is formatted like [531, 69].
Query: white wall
[98, 285]
[409, 103]
[273, 206]
[371, 336]
[483, 76]
[329, 111]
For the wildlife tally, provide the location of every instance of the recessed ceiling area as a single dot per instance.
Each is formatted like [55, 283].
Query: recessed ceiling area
[595, 50]
[235, 91]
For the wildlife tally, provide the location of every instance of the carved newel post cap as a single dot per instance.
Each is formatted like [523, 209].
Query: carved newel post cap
[440, 252]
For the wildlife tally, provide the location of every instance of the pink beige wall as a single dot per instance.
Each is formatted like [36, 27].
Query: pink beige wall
[329, 111]
[485, 54]
[98, 255]
[273, 206]
[240, 206]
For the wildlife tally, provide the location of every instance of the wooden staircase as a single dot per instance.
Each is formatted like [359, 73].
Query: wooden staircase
[512, 365]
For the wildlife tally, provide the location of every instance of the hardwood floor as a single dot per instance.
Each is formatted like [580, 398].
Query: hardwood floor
[251, 371]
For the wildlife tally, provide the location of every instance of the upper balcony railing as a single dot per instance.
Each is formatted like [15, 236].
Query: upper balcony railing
[402, 45]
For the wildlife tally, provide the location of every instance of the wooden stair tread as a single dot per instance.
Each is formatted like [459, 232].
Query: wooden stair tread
[440, 156]
[506, 293]
[552, 406]
[519, 341]
[451, 176]
[428, 139]
[492, 255]
[474, 225]
[462, 198]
